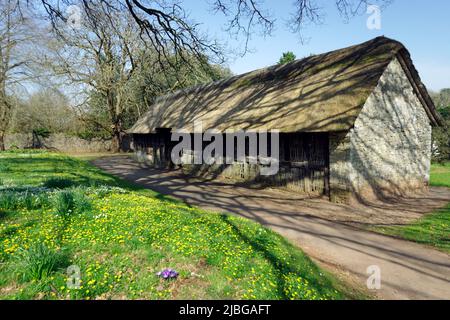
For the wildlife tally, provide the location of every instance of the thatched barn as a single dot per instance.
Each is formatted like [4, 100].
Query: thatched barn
[355, 121]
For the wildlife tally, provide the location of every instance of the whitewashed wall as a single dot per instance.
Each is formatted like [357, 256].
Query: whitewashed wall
[389, 149]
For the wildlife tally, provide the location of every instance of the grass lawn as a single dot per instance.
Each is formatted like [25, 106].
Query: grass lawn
[440, 175]
[433, 229]
[57, 211]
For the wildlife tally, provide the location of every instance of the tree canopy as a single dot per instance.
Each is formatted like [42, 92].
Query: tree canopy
[441, 135]
[287, 57]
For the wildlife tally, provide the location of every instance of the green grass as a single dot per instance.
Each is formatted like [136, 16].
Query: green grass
[440, 175]
[432, 229]
[119, 236]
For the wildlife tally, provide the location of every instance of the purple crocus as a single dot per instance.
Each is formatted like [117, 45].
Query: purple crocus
[167, 274]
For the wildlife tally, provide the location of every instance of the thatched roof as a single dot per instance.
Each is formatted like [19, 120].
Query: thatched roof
[317, 94]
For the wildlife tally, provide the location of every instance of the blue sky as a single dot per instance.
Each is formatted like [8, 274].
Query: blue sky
[423, 26]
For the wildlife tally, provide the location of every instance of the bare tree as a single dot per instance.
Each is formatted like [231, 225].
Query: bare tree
[165, 24]
[45, 109]
[15, 36]
[107, 54]
[99, 55]
[249, 16]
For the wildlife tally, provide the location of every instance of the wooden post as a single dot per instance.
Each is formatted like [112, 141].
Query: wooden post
[326, 172]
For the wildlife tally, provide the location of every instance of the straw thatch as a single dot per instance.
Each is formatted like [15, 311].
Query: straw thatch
[317, 94]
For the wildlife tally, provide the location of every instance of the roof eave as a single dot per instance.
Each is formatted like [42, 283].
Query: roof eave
[405, 60]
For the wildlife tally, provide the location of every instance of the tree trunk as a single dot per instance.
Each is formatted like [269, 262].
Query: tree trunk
[116, 123]
[116, 144]
[2, 141]
[117, 137]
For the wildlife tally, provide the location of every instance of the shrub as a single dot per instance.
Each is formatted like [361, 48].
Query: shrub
[64, 203]
[31, 200]
[28, 200]
[68, 202]
[41, 200]
[4, 167]
[8, 200]
[58, 183]
[13, 147]
[81, 202]
[39, 261]
[42, 132]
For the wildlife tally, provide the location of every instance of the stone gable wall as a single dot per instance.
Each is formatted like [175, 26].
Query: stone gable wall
[388, 152]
